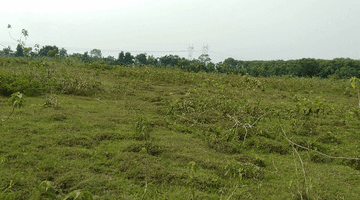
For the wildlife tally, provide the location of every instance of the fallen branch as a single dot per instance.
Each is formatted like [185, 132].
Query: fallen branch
[4, 120]
[332, 157]
[297, 153]
[237, 124]
[240, 187]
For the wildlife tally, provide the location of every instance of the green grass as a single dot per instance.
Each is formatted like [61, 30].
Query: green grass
[228, 125]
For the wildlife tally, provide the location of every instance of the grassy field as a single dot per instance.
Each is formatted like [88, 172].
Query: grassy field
[149, 133]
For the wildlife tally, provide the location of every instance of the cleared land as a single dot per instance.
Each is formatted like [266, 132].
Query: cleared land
[109, 134]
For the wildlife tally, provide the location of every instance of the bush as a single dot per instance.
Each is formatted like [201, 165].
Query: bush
[19, 83]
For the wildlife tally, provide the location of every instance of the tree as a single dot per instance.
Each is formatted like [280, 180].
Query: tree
[21, 44]
[170, 60]
[184, 64]
[121, 58]
[27, 51]
[48, 51]
[141, 59]
[24, 33]
[76, 56]
[204, 59]
[17, 100]
[231, 62]
[110, 60]
[96, 53]
[7, 51]
[308, 67]
[63, 52]
[52, 53]
[152, 60]
[85, 57]
[129, 59]
[36, 49]
[19, 51]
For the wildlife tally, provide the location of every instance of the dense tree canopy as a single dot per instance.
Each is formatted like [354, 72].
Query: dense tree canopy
[305, 67]
[19, 51]
[63, 52]
[171, 60]
[141, 59]
[49, 51]
[129, 59]
[96, 53]
[121, 58]
[6, 51]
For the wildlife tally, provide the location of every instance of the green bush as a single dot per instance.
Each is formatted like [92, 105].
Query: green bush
[10, 83]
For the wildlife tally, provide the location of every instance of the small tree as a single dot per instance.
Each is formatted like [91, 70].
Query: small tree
[19, 51]
[24, 33]
[110, 60]
[21, 44]
[7, 51]
[141, 59]
[129, 59]
[27, 51]
[17, 100]
[63, 52]
[231, 62]
[152, 60]
[85, 57]
[353, 81]
[96, 53]
[121, 58]
[48, 51]
[204, 59]
[36, 50]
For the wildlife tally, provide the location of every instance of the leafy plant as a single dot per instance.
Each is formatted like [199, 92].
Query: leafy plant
[353, 82]
[142, 131]
[52, 101]
[80, 195]
[17, 100]
[192, 168]
[24, 33]
[46, 188]
[144, 151]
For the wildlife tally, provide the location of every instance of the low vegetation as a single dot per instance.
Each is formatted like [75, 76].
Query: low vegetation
[94, 131]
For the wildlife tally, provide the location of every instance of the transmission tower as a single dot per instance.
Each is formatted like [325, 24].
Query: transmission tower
[190, 51]
[205, 49]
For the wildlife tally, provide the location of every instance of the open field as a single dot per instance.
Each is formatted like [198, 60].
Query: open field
[112, 133]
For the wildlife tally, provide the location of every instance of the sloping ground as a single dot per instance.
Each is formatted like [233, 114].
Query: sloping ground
[184, 136]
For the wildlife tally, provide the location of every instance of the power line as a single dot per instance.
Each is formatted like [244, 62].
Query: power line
[229, 55]
[137, 51]
[160, 51]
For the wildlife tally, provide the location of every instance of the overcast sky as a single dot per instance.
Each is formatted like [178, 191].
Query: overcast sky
[241, 29]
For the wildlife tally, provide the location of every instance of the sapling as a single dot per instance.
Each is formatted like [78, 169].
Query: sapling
[142, 130]
[192, 167]
[46, 187]
[17, 100]
[20, 41]
[144, 151]
[80, 195]
[353, 84]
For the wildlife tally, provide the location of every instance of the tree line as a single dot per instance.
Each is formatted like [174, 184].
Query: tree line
[305, 67]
